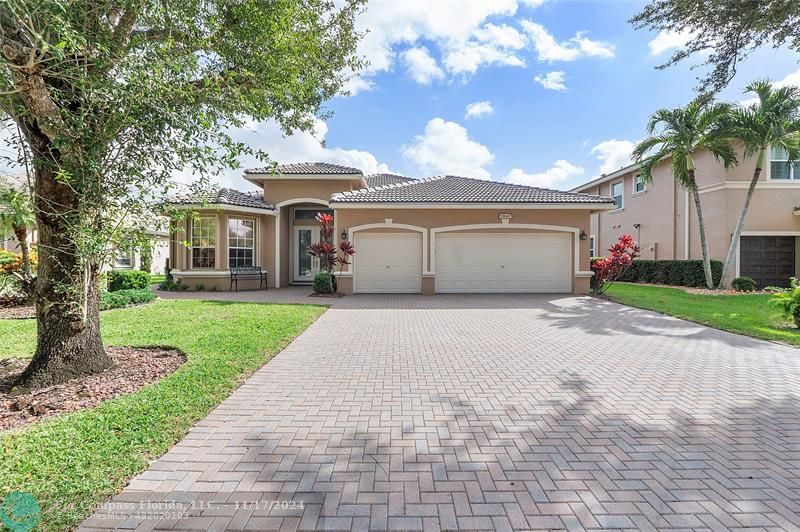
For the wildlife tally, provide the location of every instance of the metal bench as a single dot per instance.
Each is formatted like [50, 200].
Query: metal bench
[249, 272]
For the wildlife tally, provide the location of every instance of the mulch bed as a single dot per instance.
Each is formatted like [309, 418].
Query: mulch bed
[337, 295]
[17, 313]
[134, 368]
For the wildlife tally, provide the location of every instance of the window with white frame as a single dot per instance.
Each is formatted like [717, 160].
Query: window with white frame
[616, 193]
[639, 184]
[204, 242]
[592, 247]
[780, 167]
[241, 242]
[123, 258]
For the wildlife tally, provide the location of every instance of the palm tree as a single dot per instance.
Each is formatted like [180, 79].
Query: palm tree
[677, 134]
[773, 122]
[17, 215]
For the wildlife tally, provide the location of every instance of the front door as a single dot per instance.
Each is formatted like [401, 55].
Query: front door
[305, 266]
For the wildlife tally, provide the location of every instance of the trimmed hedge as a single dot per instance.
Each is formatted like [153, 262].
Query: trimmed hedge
[127, 280]
[671, 272]
[125, 298]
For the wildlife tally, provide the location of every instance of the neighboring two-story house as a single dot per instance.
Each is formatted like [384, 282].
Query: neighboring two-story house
[661, 215]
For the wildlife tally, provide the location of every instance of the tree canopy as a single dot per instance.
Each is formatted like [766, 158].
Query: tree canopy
[114, 97]
[724, 32]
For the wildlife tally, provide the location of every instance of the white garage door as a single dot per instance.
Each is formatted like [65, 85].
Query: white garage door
[503, 262]
[388, 263]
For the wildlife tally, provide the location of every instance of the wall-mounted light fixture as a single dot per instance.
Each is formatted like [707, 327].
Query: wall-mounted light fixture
[584, 236]
[344, 235]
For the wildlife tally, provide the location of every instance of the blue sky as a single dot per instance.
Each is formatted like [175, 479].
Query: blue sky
[430, 60]
[560, 90]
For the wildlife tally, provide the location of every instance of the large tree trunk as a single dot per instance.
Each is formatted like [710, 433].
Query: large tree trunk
[67, 311]
[703, 240]
[737, 232]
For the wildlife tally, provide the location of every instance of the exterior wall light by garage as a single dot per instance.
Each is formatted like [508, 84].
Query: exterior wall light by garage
[344, 235]
[584, 236]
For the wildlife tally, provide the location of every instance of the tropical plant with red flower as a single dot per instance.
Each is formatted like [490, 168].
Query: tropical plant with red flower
[611, 267]
[327, 252]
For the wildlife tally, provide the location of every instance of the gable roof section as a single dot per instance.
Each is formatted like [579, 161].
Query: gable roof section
[226, 196]
[305, 169]
[454, 190]
[381, 180]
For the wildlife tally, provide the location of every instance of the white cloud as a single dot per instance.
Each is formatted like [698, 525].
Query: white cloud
[667, 40]
[478, 109]
[460, 34]
[613, 154]
[447, 24]
[548, 49]
[553, 80]
[790, 79]
[421, 65]
[445, 148]
[560, 173]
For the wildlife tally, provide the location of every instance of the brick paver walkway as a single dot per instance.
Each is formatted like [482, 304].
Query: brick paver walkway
[491, 412]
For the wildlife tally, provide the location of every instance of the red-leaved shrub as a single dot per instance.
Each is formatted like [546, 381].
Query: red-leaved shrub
[611, 267]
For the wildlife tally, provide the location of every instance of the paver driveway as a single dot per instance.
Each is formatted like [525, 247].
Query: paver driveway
[482, 412]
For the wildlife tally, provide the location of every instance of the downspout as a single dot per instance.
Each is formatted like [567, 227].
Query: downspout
[686, 228]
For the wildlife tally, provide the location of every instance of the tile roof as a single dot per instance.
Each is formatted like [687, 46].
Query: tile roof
[226, 196]
[454, 189]
[381, 180]
[305, 168]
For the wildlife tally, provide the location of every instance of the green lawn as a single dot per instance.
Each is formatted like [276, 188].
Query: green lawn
[743, 314]
[157, 279]
[74, 461]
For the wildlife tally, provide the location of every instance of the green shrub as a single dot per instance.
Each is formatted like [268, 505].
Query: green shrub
[199, 287]
[12, 292]
[788, 300]
[169, 285]
[125, 298]
[743, 284]
[127, 280]
[671, 272]
[322, 284]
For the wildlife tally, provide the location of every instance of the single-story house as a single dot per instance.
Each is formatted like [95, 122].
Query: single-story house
[442, 234]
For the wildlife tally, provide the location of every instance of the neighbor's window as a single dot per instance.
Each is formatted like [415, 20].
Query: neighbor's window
[592, 250]
[616, 193]
[638, 184]
[779, 166]
[241, 242]
[204, 241]
[124, 258]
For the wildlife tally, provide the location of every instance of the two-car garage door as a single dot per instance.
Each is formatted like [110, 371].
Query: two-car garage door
[503, 263]
[511, 262]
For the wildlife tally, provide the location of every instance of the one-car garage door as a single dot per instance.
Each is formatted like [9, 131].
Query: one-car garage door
[768, 260]
[503, 262]
[388, 263]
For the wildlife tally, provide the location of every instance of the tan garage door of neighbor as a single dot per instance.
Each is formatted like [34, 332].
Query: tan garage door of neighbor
[388, 263]
[503, 263]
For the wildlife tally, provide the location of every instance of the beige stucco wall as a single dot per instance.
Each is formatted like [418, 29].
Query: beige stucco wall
[433, 218]
[662, 210]
[280, 190]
